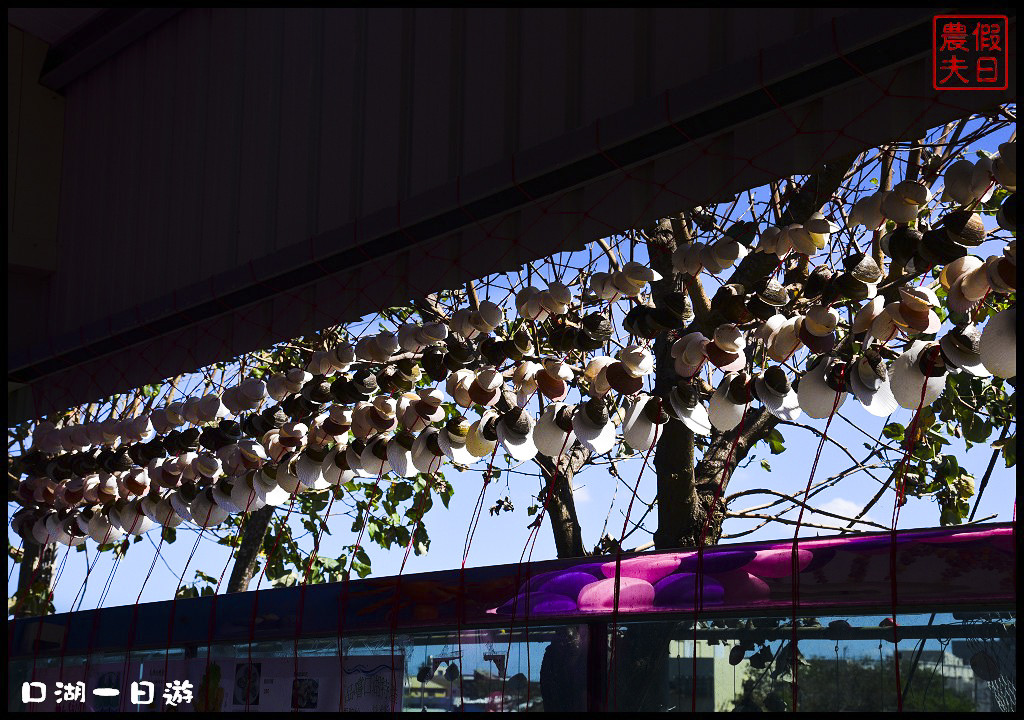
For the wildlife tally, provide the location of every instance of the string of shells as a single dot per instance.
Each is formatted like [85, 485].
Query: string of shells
[459, 393]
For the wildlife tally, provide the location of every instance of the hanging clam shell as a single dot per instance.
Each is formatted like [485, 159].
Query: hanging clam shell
[961, 348]
[815, 395]
[937, 249]
[863, 267]
[956, 268]
[965, 227]
[998, 346]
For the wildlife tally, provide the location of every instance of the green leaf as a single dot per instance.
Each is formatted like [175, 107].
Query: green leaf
[766, 466]
[775, 441]
[976, 429]
[894, 431]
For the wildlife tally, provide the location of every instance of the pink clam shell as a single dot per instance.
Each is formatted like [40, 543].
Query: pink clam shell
[634, 594]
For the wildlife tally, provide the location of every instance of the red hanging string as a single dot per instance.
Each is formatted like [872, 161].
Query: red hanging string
[612, 666]
[698, 589]
[795, 557]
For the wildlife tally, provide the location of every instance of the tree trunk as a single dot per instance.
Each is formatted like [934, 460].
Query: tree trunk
[565, 526]
[249, 549]
[34, 579]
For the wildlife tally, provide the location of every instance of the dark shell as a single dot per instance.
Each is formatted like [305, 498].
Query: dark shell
[966, 338]
[406, 368]
[776, 380]
[831, 293]
[387, 380]
[364, 382]
[903, 243]
[597, 325]
[739, 390]
[938, 249]
[85, 464]
[433, 364]
[863, 267]
[655, 411]
[632, 320]
[965, 227]
[517, 421]
[730, 303]
[772, 293]
[489, 429]
[931, 363]
[506, 401]
[835, 376]
[874, 360]
[317, 390]
[274, 415]
[298, 408]
[341, 388]
[675, 302]
[379, 448]
[565, 339]
[596, 411]
[457, 427]
[850, 287]
[563, 418]
[231, 430]
[190, 438]
[759, 308]
[662, 319]
[522, 345]
[1009, 208]
[492, 351]
[461, 351]
[687, 394]
[743, 232]
[119, 462]
[816, 282]
[1007, 272]
[587, 342]
[433, 446]
[155, 449]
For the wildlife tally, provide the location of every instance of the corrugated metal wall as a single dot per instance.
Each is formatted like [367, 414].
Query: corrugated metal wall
[230, 145]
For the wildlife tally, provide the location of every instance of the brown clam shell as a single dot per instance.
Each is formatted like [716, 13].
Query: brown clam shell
[965, 227]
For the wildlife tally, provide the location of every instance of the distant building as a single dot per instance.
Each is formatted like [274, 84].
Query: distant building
[718, 682]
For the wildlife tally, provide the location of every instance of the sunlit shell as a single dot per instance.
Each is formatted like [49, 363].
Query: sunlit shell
[774, 390]
[427, 455]
[785, 341]
[998, 345]
[548, 436]
[593, 427]
[637, 360]
[961, 348]
[869, 382]
[205, 511]
[897, 208]
[723, 412]
[911, 388]
[816, 398]
[867, 211]
[515, 433]
[478, 441]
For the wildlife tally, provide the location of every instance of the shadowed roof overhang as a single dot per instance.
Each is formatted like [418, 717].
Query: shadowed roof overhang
[854, 82]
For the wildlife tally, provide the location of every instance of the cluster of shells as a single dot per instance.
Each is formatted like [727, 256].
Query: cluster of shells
[367, 411]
